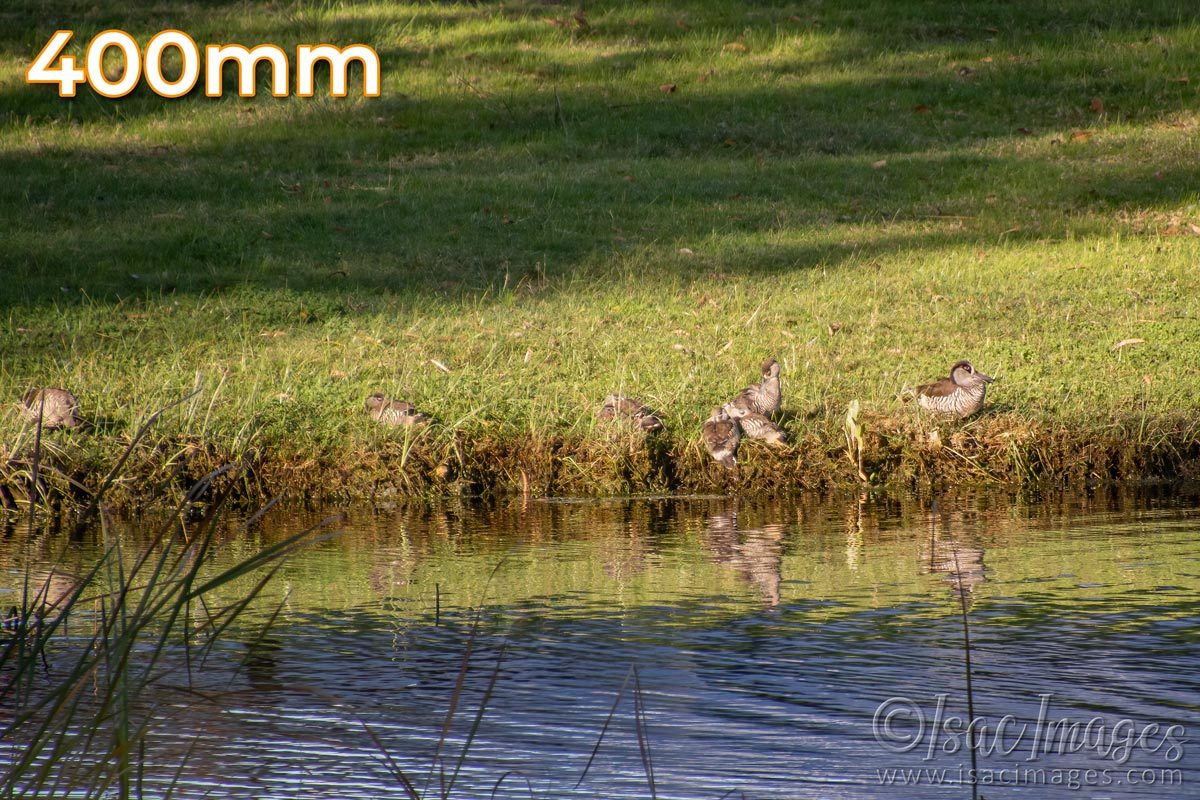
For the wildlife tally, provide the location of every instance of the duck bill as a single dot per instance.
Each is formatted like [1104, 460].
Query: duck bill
[985, 378]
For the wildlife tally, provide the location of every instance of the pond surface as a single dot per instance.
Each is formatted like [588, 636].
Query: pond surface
[783, 649]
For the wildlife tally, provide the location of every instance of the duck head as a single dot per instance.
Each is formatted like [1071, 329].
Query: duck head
[963, 374]
[648, 420]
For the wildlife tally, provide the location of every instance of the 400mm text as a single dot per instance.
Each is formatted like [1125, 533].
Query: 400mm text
[51, 66]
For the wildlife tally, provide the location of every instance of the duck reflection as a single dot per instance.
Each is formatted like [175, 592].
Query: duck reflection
[961, 563]
[50, 593]
[755, 554]
[644, 525]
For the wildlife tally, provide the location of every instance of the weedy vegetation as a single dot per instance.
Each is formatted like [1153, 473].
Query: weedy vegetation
[82, 654]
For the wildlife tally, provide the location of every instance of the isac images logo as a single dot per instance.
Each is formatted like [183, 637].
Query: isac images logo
[1052, 750]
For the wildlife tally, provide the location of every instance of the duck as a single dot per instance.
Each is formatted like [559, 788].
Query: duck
[393, 412]
[959, 395]
[58, 408]
[618, 406]
[721, 436]
[755, 425]
[766, 397]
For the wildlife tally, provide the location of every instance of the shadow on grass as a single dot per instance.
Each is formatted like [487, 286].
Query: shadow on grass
[551, 153]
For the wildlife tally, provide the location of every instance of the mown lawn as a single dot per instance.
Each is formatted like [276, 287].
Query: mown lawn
[644, 196]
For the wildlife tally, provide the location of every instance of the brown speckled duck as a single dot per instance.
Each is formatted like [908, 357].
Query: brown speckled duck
[721, 437]
[765, 397]
[58, 407]
[959, 395]
[393, 412]
[755, 425]
[618, 406]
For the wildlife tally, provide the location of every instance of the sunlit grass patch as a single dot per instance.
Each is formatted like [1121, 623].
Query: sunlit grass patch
[649, 199]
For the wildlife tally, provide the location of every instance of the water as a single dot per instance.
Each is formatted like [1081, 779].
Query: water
[808, 649]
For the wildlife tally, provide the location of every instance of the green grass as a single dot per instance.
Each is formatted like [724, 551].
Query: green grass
[867, 190]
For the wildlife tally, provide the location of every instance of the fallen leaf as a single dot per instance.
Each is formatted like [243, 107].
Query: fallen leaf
[880, 164]
[986, 59]
[736, 47]
[922, 109]
[1127, 343]
[667, 88]
[686, 251]
[1180, 79]
[440, 365]
[1097, 106]
[1081, 136]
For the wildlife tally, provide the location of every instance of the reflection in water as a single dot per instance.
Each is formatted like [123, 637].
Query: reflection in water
[767, 635]
[961, 563]
[261, 664]
[45, 594]
[755, 554]
[959, 560]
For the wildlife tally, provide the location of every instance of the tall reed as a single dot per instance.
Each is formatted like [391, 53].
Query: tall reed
[81, 655]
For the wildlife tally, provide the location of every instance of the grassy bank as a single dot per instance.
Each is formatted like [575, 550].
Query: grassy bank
[651, 199]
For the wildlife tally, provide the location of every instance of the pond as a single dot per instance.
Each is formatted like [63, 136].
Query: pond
[810, 648]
